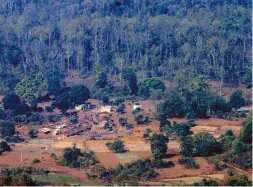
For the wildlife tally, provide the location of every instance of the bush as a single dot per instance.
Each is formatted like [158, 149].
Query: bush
[116, 146]
[74, 158]
[10, 100]
[79, 94]
[206, 182]
[49, 108]
[122, 121]
[206, 145]
[189, 162]
[22, 109]
[159, 145]
[121, 109]
[5, 146]
[236, 99]
[35, 161]
[53, 156]
[7, 128]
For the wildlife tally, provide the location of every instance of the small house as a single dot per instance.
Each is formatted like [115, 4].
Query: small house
[80, 107]
[136, 106]
[45, 130]
[244, 109]
[106, 109]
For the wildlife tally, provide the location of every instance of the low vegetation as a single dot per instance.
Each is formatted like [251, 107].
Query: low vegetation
[73, 157]
[116, 146]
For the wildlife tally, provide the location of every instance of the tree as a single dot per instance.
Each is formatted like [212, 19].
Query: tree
[7, 128]
[246, 132]
[116, 146]
[62, 102]
[159, 145]
[130, 76]
[102, 80]
[31, 87]
[146, 86]
[236, 99]
[79, 94]
[182, 129]
[54, 81]
[32, 132]
[187, 146]
[22, 109]
[173, 106]
[206, 145]
[10, 100]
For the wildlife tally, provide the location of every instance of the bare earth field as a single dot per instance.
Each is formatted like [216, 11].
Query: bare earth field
[213, 125]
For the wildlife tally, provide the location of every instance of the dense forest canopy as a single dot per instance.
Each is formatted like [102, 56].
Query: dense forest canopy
[152, 37]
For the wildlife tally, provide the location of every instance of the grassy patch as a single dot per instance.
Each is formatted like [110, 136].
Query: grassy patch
[57, 179]
[42, 141]
[126, 156]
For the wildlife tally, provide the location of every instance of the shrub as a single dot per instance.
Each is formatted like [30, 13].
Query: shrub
[79, 94]
[10, 101]
[73, 157]
[35, 161]
[116, 146]
[53, 156]
[236, 99]
[22, 109]
[206, 145]
[7, 128]
[189, 162]
[206, 182]
[122, 121]
[159, 145]
[49, 108]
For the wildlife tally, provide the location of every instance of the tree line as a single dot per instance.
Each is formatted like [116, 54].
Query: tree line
[153, 38]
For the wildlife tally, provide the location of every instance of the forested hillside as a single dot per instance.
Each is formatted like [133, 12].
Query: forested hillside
[154, 38]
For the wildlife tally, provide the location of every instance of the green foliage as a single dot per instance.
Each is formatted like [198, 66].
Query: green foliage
[187, 146]
[7, 128]
[79, 94]
[137, 170]
[189, 162]
[74, 158]
[246, 132]
[150, 85]
[32, 132]
[49, 108]
[101, 81]
[159, 145]
[229, 132]
[22, 108]
[226, 141]
[164, 124]
[238, 180]
[4, 146]
[54, 81]
[206, 182]
[54, 156]
[182, 129]
[122, 121]
[147, 132]
[116, 146]
[10, 101]
[35, 161]
[31, 87]
[218, 103]
[130, 76]
[173, 106]
[121, 108]
[206, 145]
[236, 99]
